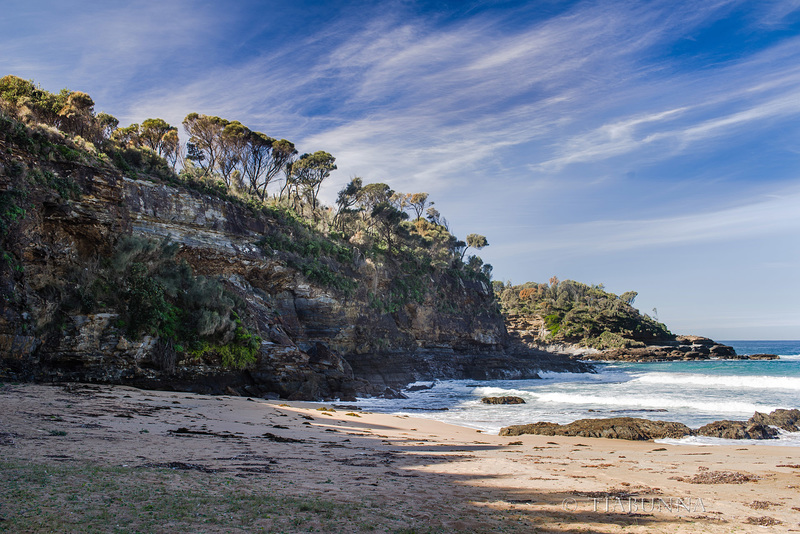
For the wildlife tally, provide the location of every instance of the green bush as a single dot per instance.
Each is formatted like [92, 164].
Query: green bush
[160, 296]
[240, 352]
[63, 185]
[304, 247]
[576, 312]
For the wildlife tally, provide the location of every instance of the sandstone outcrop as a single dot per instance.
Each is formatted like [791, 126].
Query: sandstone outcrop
[317, 342]
[630, 428]
[788, 420]
[760, 426]
[531, 332]
[736, 430]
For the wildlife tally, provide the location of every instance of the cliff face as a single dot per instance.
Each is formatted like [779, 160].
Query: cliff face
[531, 332]
[316, 342]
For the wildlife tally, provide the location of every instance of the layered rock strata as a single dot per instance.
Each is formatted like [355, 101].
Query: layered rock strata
[316, 342]
[531, 332]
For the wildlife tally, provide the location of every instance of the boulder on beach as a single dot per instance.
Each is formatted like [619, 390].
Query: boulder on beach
[630, 428]
[760, 426]
[788, 420]
[541, 429]
[503, 400]
[736, 430]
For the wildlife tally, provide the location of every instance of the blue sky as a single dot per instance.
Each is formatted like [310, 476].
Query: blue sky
[649, 146]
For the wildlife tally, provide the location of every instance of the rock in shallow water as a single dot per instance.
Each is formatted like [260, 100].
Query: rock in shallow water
[736, 430]
[788, 420]
[503, 400]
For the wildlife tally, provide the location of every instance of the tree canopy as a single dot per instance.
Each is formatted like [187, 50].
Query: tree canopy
[226, 157]
[581, 313]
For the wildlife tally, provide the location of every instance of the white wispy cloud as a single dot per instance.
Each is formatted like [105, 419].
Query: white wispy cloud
[610, 140]
[775, 12]
[774, 214]
[756, 92]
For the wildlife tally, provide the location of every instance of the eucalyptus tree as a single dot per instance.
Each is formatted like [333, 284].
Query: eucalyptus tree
[346, 199]
[388, 219]
[77, 115]
[153, 135]
[171, 147]
[232, 144]
[205, 134]
[105, 125]
[310, 170]
[262, 159]
[127, 135]
[418, 202]
[475, 241]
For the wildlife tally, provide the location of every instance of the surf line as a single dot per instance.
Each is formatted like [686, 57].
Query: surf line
[611, 504]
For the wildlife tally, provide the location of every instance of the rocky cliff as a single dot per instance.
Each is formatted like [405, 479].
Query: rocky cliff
[315, 341]
[530, 331]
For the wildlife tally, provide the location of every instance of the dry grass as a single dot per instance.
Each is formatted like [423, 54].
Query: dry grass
[85, 498]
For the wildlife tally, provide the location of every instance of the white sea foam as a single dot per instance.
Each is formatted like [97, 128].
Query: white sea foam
[785, 439]
[692, 403]
[694, 393]
[604, 376]
[722, 381]
[501, 392]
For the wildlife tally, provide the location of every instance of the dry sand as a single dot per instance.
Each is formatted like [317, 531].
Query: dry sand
[417, 474]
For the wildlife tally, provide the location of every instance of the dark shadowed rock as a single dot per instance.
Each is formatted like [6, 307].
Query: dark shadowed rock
[736, 430]
[503, 400]
[421, 387]
[390, 393]
[762, 357]
[788, 420]
[722, 351]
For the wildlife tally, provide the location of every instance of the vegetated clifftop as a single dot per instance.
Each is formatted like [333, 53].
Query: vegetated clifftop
[127, 277]
[569, 317]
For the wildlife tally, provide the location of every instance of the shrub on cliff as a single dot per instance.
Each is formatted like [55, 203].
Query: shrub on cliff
[157, 295]
[580, 313]
[161, 296]
[230, 161]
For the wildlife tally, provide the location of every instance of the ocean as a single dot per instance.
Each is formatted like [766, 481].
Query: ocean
[693, 393]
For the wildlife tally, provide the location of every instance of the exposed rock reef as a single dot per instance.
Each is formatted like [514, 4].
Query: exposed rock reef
[760, 426]
[316, 342]
[681, 348]
[531, 332]
[630, 428]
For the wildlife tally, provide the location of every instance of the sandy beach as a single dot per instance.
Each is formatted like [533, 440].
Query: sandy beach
[333, 468]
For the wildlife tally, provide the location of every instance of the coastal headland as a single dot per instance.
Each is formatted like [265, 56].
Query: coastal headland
[118, 268]
[78, 455]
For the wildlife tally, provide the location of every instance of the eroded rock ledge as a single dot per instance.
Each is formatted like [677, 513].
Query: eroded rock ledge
[317, 343]
[760, 426]
[683, 348]
[531, 332]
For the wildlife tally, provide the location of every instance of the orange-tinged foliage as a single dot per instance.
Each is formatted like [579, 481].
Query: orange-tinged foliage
[527, 293]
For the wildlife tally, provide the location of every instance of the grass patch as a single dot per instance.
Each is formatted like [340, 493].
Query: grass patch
[85, 498]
